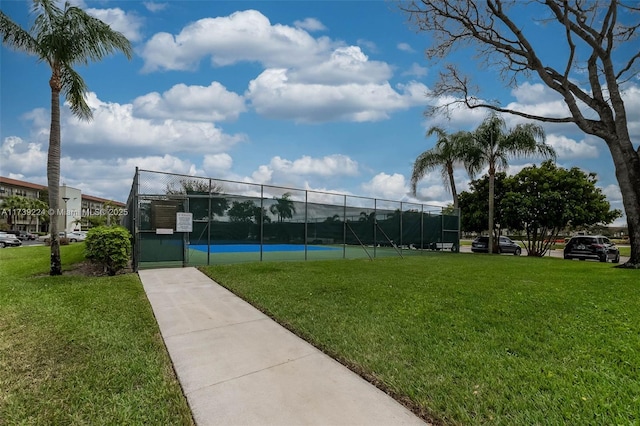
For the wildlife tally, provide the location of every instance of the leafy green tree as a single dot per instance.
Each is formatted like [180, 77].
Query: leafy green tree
[16, 206]
[544, 200]
[493, 146]
[62, 38]
[200, 207]
[367, 217]
[474, 204]
[447, 152]
[284, 207]
[41, 208]
[243, 212]
[599, 59]
[13, 204]
[333, 219]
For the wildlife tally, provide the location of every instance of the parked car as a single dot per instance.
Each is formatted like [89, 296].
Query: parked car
[23, 235]
[74, 237]
[506, 245]
[47, 237]
[595, 247]
[9, 240]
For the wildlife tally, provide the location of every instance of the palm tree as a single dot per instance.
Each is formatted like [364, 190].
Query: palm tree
[492, 145]
[445, 155]
[11, 207]
[285, 208]
[62, 38]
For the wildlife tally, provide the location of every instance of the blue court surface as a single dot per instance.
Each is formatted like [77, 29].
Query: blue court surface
[255, 248]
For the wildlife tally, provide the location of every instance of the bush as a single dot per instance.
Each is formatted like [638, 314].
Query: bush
[109, 246]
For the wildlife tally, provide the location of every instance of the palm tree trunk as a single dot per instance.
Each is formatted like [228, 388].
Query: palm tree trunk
[492, 176]
[452, 185]
[53, 173]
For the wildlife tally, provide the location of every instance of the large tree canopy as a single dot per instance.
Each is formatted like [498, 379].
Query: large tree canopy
[598, 41]
[492, 145]
[474, 204]
[542, 201]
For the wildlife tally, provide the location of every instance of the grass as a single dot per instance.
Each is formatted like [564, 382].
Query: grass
[80, 350]
[469, 339]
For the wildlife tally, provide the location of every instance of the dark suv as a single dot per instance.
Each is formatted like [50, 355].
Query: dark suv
[595, 247]
[506, 245]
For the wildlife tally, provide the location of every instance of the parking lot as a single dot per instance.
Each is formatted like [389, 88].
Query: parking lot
[551, 253]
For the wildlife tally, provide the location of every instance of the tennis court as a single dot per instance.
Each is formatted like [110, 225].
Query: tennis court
[237, 253]
[179, 220]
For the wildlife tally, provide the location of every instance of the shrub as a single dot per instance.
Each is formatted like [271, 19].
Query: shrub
[109, 246]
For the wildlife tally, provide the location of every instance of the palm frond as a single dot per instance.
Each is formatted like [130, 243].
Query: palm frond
[425, 163]
[90, 39]
[16, 37]
[74, 89]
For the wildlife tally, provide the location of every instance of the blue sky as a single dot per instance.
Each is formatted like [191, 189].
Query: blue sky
[322, 95]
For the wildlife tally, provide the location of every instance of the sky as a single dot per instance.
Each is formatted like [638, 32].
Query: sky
[318, 95]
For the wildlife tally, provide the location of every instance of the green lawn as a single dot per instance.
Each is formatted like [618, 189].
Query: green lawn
[469, 339]
[78, 350]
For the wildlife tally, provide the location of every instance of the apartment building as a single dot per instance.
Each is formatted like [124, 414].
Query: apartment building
[75, 208]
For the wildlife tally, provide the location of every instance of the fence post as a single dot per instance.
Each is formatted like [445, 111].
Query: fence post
[209, 227]
[344, 229]
[306, 220]
[135, 225]
[401, 240]
[375, 223]
[422, 227]
[261, 219]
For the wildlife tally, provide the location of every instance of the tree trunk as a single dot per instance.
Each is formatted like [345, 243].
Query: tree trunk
[492, 177]
[53, 173]
[627, 165]
[452, 185]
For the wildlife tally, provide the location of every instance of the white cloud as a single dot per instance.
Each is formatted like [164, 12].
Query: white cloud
[390, 187]
[217, 164]
[417, 70]
[115, 127]
[109, 178]
[568, 148]
[242, 36]
[126, 23]
[305, 79]
[331, 165]
[262, 176]
[344, 65]
[434, 194]
[274, 96]
[613, 194]
[405, 47]
[528, 93]
[155, 7]
[20, 157]
[191, 103]
[310, 24]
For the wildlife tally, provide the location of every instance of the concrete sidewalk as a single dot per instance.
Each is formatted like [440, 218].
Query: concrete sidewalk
[238, 367]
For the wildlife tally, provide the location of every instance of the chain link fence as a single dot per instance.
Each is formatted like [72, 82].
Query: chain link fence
[179, 220]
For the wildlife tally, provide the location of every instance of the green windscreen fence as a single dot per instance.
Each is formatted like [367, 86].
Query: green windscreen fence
[179, 220]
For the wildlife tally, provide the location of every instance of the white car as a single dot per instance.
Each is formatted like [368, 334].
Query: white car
[76, 236]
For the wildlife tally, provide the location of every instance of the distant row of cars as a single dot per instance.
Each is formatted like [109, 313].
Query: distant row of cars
[582, 247]
[15, 238]
[73, 237]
